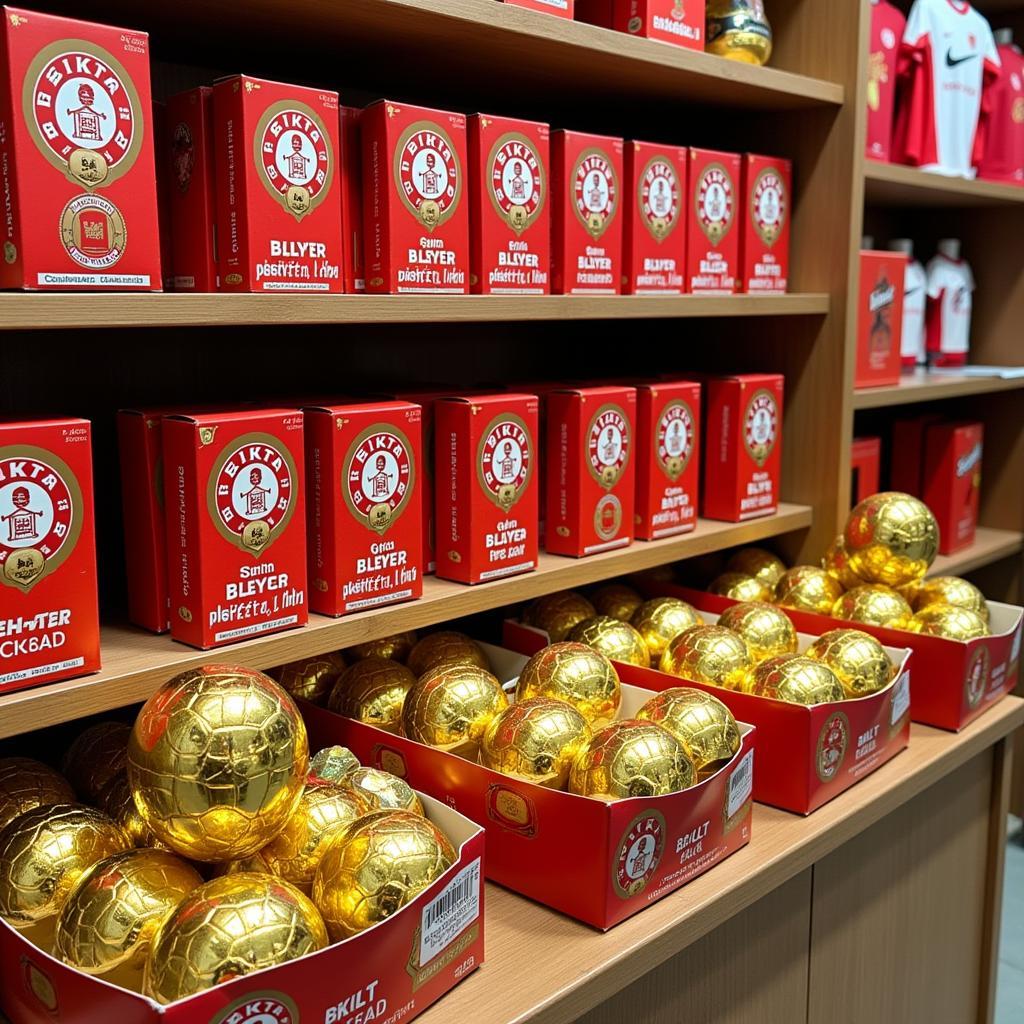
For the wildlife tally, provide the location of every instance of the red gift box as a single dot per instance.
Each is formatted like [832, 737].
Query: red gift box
[879, 318]
[713, 233]
[865, 457]
[952, 481]
[907, 462]
[671, 21]
[354, 271]
[768, 207]
[560, 8]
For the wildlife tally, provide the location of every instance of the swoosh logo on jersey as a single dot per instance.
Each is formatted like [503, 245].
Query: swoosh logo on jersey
[951, 61]
[913, 291]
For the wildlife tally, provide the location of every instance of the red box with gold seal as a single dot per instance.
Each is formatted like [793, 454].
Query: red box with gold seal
[764, 252]
[713, 234]
[670, 21]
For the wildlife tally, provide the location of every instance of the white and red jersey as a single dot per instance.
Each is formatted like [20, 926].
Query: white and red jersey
[915, 301]
[1003, 159]
[948, 64]
[887, 26]
[950, 291]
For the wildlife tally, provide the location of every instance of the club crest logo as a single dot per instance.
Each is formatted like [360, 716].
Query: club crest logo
[674, 439]
[976, 677]
[608, 517]
[640, 851]
[504, 462]
[378, 476]
[768, 206]
[832, 746]
[40, 514]
[93, 231]
[83, 112]
[760, 426]
[294, 156]
[251, 491]
[183, 156]
[658, 196]
[259, 1008]
[595, 191]
[519, 185]
[428, 173]
[714, 197]
[608, 445]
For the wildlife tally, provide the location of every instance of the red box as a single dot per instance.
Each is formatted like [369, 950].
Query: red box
[487, 499]
[560, 8]
[49, 611]
[654, 248]
[954, 681]
[865, 458]
[952, 481]
[363, 463]
[590, 464]
[163, 199]
[278, 186]
[768, 205]
[416, 214]
[668, 454]
[598, 862]
[404, 964]
[671, 21]
[191, 190]
[76, 156]
[713, 234]
[879, 318]
[907, 456]
[586, 193]
[742, 446]
[510, 240]
[236, 524]
[352, 200]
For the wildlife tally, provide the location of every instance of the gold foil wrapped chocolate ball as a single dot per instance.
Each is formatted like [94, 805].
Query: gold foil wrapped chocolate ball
[577, 674]
[557, 614]
[44, 852]
[858, 660]
[949, 590]
[738, 586]
[26, 784]
[449, 647]
[217, 761]
[375, 867]
[616, 640]
[708, 654]
[108, 924]
[229, 927]
[451, 707]
[760, 564]
[767, 630]
[836, 562]
[117, 802]
[95, 757]
[396, 647]
[332, 764]
[373, 691]
[950, 622]
[616, 600]
[891, 538]
[795, 679]
[323, 812]
[660, 620]
[254, 863]
[382, 791]
[739, 30]
[310, 679]
[536, 740]
[806, 588]
[631, 758]
[873, 605]
[702, 723]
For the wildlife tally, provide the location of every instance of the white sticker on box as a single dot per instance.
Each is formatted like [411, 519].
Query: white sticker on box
[741, 784]
[900, 697]
[1016, 646]
[455, 907]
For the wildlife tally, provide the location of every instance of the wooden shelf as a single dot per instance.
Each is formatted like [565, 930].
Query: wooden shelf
[135, 663]
[989, 546]
[572, 968]
[29, 311]
[921, 386]
[896, 185]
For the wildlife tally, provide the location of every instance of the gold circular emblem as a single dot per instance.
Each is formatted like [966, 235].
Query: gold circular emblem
[93, 231]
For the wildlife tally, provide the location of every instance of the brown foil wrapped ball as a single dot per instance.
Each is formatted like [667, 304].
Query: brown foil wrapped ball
[332, 764]
[738, 586]
[662, 619]
[759, 563]
[702, 723]
[708, 654]
[448, 647]
[577, 674]
[857, 658]
[26, 784]
[950, 622]
[836, 562]
[396, 647]
[631, 758]
[767, 630]
[312, 678]
[806, 588]
[373, 691]
[795, 679]
[892, 538]
[557, 614]
[949, 590]
[615, 639]
[616, 600]
[383, 791]
[95, 757]
[873, 605]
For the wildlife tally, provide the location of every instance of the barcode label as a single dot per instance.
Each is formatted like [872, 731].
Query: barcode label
[741, 784]
[456, 906]
[900, 697]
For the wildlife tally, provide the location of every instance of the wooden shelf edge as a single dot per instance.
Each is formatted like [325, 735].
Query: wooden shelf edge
[593, 966]
[924, 387]
[32, 311]
[990, 545]
[135, 663]
[896, 185]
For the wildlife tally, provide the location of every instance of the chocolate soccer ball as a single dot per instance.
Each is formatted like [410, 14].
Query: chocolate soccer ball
[662, 619]
[439, 650]
[708, 654]
[311, 679]
[557, 614]
[577, 674]
[396, 647]
[858, 660]
[946, 620]
[26, 784]
[738, 586]
[795, 679]
[836, 562]
[616, 600]
[373, 691]
[332, 764]
[874, 605]
[891, 538]
[95, 757]
[382, 791]
[949, 590]
[702, 724]
[767, 630]
[217, 762]
[806, 588]
[616, 640]
[760, 564]
[117, 801]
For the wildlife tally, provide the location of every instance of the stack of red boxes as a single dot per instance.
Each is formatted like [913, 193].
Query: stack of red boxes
[671, 21]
